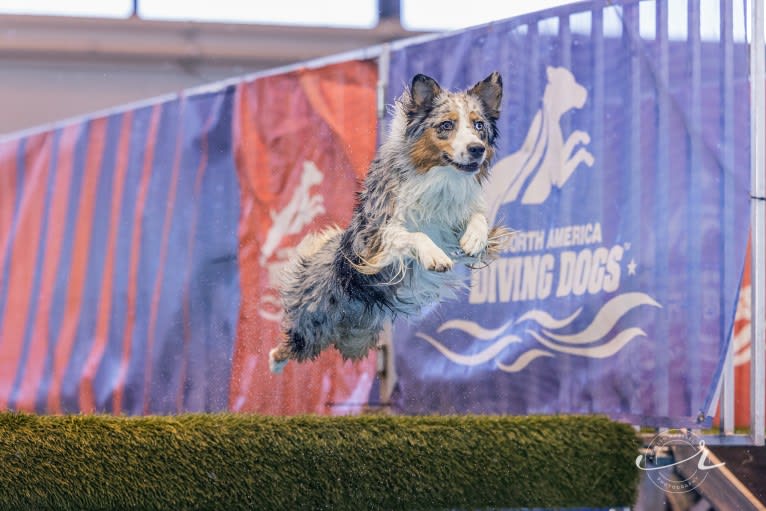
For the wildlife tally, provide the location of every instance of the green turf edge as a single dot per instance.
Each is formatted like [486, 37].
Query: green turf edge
[226, 461]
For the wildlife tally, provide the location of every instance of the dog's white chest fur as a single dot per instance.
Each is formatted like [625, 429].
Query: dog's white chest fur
[440, 204]
[442, 197]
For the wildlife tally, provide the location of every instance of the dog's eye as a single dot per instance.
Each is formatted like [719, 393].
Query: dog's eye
[446, 125]
[479, 125]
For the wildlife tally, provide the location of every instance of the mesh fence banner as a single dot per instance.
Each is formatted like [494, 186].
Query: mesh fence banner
[623, 165]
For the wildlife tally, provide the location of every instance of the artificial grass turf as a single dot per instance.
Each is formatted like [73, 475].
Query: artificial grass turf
[229, 462]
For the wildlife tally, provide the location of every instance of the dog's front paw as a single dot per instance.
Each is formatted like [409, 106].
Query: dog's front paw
[434, 259]
[430, 255]
[474, 239]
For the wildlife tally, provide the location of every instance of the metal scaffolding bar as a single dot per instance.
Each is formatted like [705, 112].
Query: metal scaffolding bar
[727, 127]
[758, 220]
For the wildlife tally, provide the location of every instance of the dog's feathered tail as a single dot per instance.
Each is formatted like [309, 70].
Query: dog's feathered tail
[321, 290]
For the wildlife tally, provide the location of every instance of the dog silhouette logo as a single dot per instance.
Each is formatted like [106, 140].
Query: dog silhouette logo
[302, 208]
[546, 159]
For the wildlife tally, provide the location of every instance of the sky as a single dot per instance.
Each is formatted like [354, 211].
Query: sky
[416, 14]
[424, 15]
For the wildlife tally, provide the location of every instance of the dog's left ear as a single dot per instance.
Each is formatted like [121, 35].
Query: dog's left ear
[490, 92]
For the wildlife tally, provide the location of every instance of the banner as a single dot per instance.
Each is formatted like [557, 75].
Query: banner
[140, 251]
[303, 141]
[626, 178]
[119, 286]
[741, 345]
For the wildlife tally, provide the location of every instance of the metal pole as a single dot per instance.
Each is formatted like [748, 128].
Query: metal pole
[386, 366]
[758, 220]
[730, 196]
[389, 10]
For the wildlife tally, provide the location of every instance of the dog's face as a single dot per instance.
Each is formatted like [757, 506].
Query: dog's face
[453, 129]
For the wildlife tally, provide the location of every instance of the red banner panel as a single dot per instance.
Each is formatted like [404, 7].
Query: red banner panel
[741, 345]
[302, 140]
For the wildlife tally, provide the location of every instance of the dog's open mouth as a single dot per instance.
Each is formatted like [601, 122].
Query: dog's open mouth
[465, 167]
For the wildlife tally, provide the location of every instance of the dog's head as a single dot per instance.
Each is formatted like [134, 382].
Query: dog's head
[453, 129]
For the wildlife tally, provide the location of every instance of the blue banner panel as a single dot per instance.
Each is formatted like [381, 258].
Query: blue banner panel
[119, 285]
[627, 181]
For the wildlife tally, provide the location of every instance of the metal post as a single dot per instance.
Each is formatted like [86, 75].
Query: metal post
[663, 369]
[386, 367]
[389, 10]
[384, 62]
[694, 230]
[758, 220]
[730, 196]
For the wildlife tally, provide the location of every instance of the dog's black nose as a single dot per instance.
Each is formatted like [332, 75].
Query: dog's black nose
[475, 150]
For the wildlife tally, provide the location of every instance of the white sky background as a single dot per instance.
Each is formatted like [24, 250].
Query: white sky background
[419, 14]
[416, 14]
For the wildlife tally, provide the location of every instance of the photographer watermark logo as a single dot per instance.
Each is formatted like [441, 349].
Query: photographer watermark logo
[682, 473]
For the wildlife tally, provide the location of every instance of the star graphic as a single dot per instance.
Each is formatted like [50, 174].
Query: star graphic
[632, 267]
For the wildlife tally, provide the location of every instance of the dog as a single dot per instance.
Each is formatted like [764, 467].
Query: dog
[419, 212]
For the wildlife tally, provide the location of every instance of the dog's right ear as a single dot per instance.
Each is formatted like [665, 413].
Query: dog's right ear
[422, 92]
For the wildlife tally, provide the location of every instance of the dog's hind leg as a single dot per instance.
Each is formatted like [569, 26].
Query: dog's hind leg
[279, 356]
[358, 344]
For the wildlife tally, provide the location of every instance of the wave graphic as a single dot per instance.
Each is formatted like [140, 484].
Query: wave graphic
[606, 318]
[550, 340]
[475, 359]
[607, 349]
[546, 320]
[523, 360]
[473, 329]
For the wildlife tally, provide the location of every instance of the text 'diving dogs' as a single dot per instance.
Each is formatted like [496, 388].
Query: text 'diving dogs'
[420, 211]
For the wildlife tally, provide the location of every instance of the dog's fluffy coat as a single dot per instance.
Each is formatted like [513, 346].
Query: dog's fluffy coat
[420, 210]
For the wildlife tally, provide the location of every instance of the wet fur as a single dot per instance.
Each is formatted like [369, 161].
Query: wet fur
[419, 212]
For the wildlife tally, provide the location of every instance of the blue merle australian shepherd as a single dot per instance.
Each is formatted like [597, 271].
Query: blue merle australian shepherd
[419, 212]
